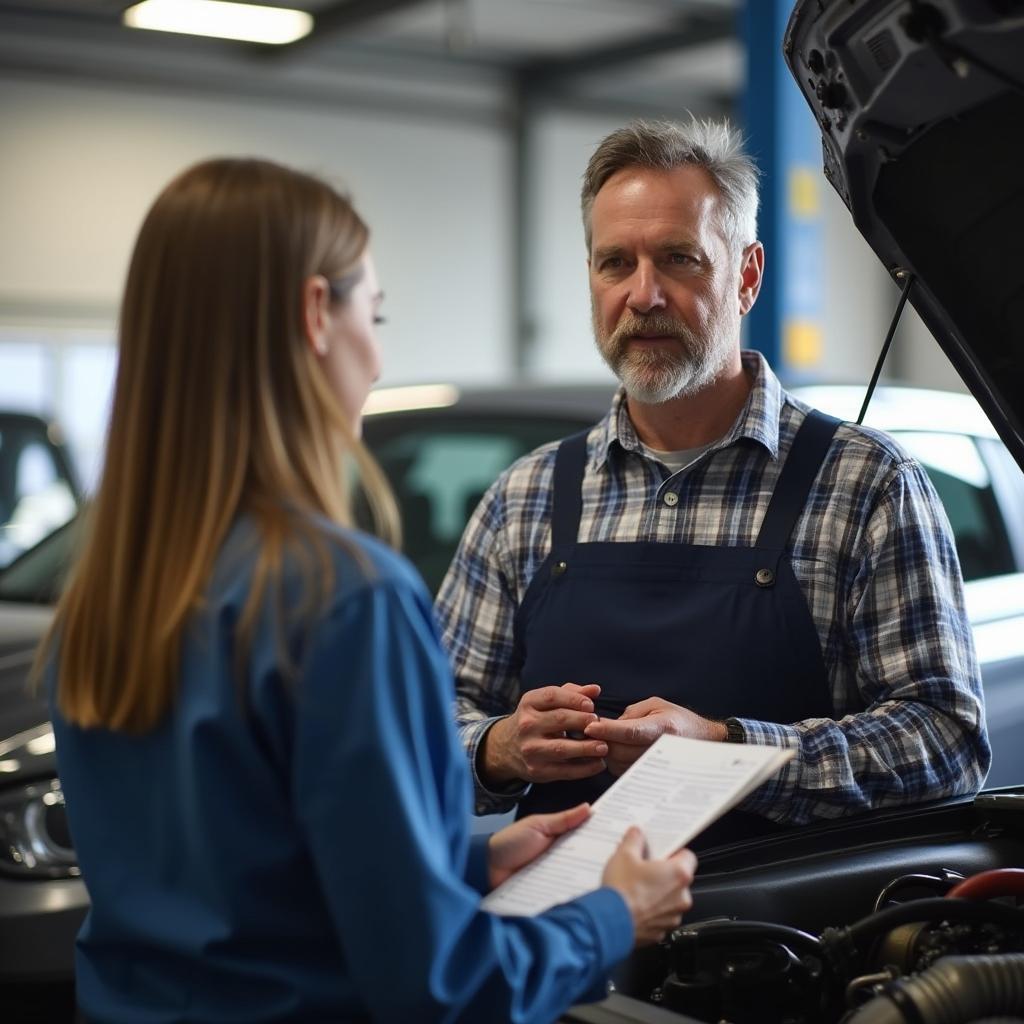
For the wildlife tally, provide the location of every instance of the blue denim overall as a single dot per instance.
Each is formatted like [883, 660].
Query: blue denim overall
[724, 631]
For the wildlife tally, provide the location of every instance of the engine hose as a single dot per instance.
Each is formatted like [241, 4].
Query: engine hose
[955, 990]
[730, 932]
[990, 884]
[937, 909]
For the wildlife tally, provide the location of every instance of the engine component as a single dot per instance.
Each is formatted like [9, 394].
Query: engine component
[956, 990]
[991, 884]
[734, 970]
[937, 885]
[913, 954]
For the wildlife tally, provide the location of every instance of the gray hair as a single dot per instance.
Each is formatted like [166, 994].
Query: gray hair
[714, 146]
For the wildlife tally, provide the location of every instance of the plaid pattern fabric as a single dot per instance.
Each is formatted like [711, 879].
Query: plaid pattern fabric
[872, 553]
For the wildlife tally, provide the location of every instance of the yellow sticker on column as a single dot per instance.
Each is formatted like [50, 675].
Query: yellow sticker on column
[804, 197]
[802, 344]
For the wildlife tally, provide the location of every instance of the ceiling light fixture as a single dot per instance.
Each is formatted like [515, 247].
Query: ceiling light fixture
[250, 23]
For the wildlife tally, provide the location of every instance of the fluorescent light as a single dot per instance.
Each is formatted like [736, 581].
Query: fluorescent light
[247, 22]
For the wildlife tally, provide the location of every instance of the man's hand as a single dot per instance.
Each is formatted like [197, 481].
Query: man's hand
[516, 845]
[542, 741]
[641, 724]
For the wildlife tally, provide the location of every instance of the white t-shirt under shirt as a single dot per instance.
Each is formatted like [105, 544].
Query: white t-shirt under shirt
[676, 461]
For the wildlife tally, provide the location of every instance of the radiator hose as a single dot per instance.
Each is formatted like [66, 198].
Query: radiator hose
[955, 990]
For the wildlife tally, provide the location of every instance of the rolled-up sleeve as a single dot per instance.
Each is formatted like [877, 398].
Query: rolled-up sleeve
[907, 641]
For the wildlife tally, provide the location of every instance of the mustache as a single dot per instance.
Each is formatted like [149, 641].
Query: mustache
[631, 325]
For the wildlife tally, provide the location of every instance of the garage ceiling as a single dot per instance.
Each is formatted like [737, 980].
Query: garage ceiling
[455, 57]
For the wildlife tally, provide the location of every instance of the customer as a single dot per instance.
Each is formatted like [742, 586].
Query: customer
[251, 707]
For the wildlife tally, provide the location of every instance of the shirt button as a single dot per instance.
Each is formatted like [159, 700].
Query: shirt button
[671, 499]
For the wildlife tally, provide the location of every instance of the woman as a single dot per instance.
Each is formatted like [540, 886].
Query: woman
[251, 706]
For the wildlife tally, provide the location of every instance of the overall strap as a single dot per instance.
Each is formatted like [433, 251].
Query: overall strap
[794, 484]
[570, 463]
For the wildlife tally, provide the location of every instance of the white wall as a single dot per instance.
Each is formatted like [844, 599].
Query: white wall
[859, 297]
[919, 357]
[564, 345]
[82, 162]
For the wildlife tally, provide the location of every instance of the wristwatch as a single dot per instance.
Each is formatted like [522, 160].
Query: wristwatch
[734, 731]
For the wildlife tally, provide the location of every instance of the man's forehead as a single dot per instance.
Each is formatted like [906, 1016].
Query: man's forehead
[683, 202]
[666, 241]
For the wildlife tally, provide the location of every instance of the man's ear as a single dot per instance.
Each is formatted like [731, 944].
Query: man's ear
[751, 276]
[315, 303]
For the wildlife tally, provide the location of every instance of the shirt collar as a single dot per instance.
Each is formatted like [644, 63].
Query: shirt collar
[758, 420]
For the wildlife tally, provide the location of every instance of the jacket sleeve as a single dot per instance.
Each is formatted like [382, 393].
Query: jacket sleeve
[383, 793]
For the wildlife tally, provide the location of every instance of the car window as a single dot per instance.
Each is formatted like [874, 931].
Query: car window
[962, 480]
[37, 494]
[440, 466]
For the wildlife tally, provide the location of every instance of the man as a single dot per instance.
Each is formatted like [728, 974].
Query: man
[712, 559]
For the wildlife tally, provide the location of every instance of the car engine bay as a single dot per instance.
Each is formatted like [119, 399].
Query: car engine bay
[894, 918]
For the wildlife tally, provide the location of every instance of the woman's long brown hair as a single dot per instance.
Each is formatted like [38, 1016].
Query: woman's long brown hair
[220, 408]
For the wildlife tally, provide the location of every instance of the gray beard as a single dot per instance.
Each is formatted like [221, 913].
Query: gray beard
[653, 376]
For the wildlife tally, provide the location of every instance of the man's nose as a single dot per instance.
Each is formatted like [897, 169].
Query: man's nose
[645, 290]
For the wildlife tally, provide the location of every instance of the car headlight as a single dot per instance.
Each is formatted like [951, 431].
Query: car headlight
[34, 838]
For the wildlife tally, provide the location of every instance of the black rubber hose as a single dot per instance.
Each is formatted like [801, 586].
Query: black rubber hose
[955, 990]
[939, 909]
[740, 931]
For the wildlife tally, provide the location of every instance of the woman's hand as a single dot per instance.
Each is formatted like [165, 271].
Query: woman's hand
[657, 892]
[516, 845]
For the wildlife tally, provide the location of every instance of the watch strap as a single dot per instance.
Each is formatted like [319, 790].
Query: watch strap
[734, 731]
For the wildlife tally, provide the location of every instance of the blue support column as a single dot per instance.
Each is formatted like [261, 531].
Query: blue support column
[786, 322]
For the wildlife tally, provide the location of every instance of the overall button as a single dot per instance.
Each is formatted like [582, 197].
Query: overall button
[671, 499]
[764, 577]
[558, 568]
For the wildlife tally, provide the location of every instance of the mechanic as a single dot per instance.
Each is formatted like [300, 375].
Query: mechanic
[712, 559]
[252, 708]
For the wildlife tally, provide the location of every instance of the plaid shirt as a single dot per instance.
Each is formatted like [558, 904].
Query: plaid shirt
[873, 555]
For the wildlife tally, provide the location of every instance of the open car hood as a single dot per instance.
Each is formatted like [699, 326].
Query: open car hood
[921, 109]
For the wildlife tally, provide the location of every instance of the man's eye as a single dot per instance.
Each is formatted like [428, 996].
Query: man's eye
[681, 258]
[611, 263]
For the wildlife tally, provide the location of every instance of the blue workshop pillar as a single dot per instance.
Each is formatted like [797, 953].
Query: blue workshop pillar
[786, 323]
